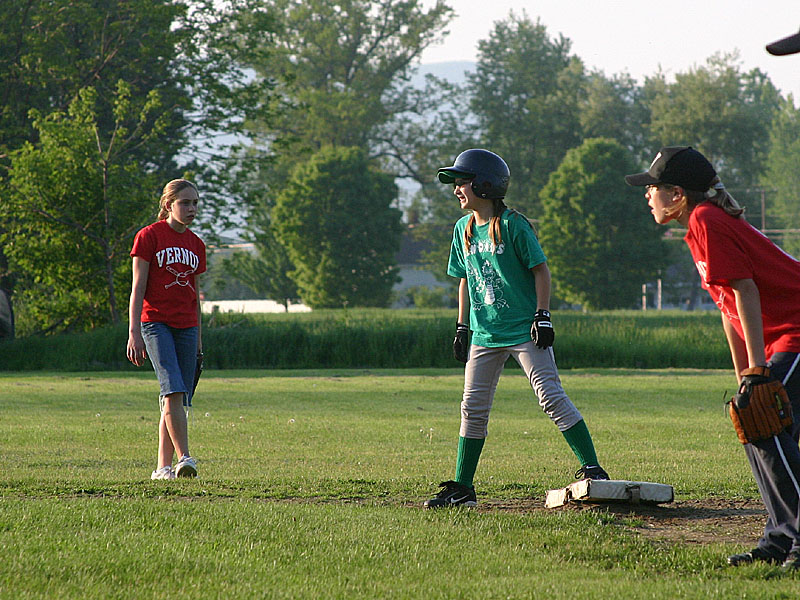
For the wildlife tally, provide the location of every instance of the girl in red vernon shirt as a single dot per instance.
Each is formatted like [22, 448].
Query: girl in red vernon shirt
[164, 316]
[756, 286]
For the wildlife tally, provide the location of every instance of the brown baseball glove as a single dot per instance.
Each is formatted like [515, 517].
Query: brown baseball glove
[761, 408]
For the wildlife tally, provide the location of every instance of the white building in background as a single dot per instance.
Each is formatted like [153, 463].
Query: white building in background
[250, 306]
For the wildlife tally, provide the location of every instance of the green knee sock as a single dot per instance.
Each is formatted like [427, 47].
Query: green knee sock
[469, 451]
[580, 441]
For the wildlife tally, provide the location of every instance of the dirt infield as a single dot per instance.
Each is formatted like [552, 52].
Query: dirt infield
[687, 521]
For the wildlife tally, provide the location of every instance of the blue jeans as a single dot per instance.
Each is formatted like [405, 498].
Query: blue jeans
[173, 353]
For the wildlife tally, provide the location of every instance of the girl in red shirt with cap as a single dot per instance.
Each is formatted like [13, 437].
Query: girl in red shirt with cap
[756, 286]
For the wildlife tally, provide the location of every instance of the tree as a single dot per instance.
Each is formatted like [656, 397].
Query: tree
[334, 63]
[428, 128]
[219, 284]
[782, 175]
[340, 71]
[600, 239]
[526, 93]
[266, 273]
[336, 221]
[614, 108]
[721, 111]
[50, 52]
[77, 198]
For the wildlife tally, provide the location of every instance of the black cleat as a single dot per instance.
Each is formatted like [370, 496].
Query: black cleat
[591, 472]
[792, 562]
[453, 494]
[755, 555]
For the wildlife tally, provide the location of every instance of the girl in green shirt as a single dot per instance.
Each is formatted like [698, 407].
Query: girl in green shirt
[504, 299]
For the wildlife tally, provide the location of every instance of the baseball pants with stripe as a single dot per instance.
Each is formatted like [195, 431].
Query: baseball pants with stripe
[776, 467]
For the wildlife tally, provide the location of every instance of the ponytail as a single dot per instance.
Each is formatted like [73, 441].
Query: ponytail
[719, 196]
[468, 232]
[494, 225]
[716, 195]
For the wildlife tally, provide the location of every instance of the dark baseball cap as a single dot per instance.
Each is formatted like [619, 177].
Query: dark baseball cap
[677, 165]
[787, 45]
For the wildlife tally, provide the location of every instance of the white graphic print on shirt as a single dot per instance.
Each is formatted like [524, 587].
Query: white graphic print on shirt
[488, 289]
[181, 278]
[178, 255]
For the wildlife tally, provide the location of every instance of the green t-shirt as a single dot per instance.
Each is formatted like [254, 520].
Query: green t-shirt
[502, 291]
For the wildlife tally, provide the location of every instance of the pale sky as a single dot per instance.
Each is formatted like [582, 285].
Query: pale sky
[638, 36]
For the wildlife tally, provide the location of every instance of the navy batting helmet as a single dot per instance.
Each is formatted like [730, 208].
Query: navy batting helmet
[489, 173]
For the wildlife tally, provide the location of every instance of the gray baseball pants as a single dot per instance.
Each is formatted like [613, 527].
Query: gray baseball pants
[483, 371]
[776, 467]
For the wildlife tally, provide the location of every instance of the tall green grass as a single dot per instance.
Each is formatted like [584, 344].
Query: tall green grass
[374, 338]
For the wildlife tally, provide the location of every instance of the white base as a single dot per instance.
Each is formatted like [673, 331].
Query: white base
[595, 490]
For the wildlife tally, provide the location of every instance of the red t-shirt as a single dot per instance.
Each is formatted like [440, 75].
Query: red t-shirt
[726, 248]
[175, 259]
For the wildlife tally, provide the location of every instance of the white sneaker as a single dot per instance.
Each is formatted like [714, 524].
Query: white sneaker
[186, 467]
[163, 473]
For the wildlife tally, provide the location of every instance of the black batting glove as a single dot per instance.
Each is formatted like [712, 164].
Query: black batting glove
[542, 332]
[461, 343]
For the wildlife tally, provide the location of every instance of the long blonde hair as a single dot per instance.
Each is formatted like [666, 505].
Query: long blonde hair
[716, 195]
[170, 194]
[494, 224]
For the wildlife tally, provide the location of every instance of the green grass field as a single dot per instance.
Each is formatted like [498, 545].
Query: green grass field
[311, 484]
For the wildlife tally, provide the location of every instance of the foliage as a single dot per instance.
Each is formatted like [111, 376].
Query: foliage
[386, 338]
[782, 175]
[211, 45]
[77, 198]
[338, 73]
[526, 94]
[428, 128]
[218, 283]
[340, 70]
[266, 273]
[52, 54]
[613, 107]
[336, 220]
[51, 50]
[600, 239]
[422, 296]
[335, 61]
[720, 110]
[681, 284]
